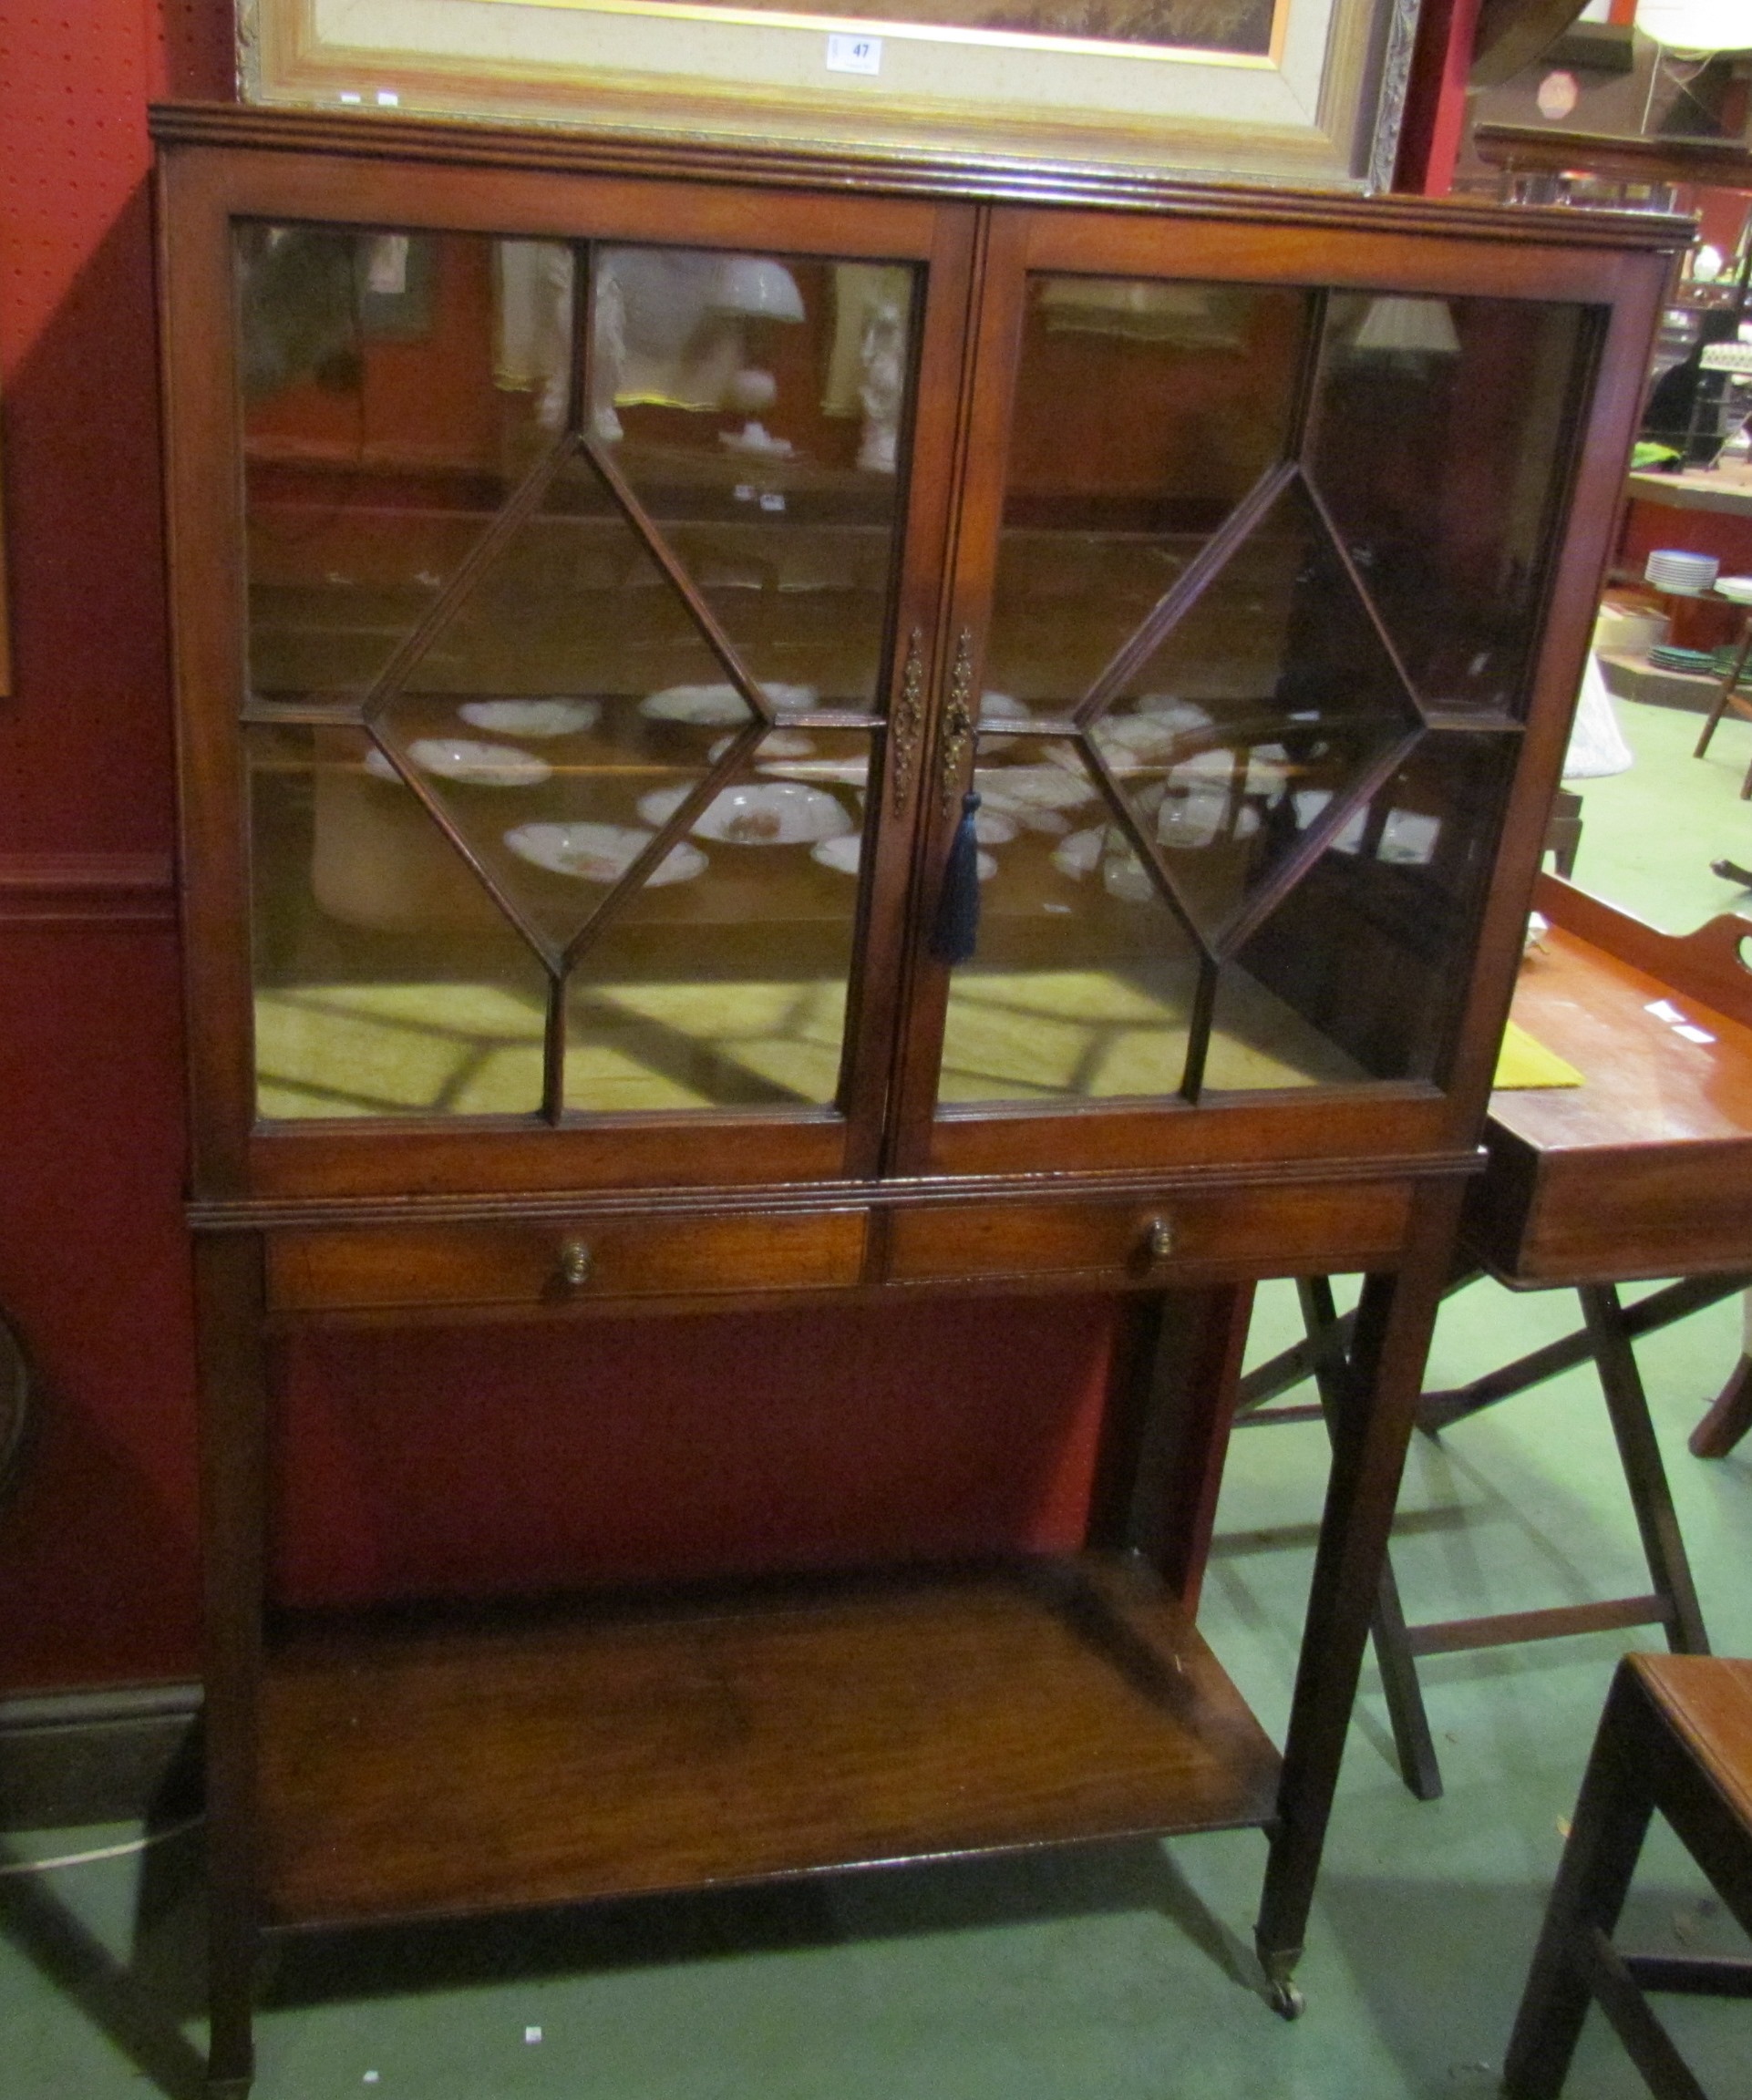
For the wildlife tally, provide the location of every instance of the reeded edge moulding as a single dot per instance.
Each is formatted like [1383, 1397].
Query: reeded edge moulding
[1303, 92]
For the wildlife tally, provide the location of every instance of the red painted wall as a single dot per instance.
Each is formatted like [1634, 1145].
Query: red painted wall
[95, 1545]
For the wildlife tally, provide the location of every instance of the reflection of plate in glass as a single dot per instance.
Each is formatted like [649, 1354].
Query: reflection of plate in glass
[1012, 789]
[478, 764]
[757, 813]
[781, 744]
[717, 706]
[1408, 838]
[1079, 855]
[601, 852]
[836, 772]
[531, 718]
[841, 853]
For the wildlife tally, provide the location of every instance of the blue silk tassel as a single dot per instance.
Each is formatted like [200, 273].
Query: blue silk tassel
[955, 934]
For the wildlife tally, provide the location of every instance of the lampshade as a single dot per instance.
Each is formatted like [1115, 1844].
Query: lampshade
[1421, 326]
[757, 286]
[1696, 26]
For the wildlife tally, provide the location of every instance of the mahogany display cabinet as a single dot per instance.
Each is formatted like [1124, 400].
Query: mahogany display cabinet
[768, 729]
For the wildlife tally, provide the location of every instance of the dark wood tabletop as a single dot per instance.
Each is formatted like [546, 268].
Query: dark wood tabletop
[1645, 1168]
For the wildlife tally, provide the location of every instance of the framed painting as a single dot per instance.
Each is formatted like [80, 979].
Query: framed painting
[1306, 92]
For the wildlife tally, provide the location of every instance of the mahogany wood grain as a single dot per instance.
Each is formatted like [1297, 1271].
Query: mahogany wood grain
[233, 1502]
[878, 989]
[664, 1745]
[1160, 1468]
[876, 1723]
[1713, 964]
[1590, 496]
[1676, 1735]
[369, 136]
[1645, 1170]
[1116, 244]
[1396, 1316]
[500, 1265]
[1729, 1417]
[1707, 1702]
[1356, 1226]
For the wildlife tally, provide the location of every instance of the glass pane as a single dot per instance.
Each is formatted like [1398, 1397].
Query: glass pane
[1083, 979]
[395, 388]
[755, 405]
[722, 985]
[1272, 694]
[1145, 410]
[1441, 425]
[1366, 950]
[387, 981]
[571, 686]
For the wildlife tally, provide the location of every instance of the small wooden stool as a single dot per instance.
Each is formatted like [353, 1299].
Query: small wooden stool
[1676, 1735]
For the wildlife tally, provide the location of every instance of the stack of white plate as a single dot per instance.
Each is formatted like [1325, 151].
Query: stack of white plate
[1688, 575]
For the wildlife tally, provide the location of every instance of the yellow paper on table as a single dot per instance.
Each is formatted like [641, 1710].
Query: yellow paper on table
[1523, 1062]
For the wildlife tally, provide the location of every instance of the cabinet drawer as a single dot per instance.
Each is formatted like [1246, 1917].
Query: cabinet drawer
[555, 1263]
[1325, 1228]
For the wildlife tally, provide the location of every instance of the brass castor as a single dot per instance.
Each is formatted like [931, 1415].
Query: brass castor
[1286, 2001]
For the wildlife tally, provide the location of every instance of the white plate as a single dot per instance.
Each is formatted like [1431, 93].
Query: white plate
[1080, 854]
[531, 717]
[832, 772]
[781, 744]
[717, 706]
[757, 813]
[1738, 588]
[601, 852]
[841, 853]
[1013, 788]
[478, 765]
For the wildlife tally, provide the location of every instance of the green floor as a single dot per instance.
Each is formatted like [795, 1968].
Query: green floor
[1104, 1974]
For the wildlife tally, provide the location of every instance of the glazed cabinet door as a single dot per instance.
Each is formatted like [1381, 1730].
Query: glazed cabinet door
[559, 567]
[1250, 594]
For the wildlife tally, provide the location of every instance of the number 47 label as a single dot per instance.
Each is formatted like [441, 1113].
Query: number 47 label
[854, 54]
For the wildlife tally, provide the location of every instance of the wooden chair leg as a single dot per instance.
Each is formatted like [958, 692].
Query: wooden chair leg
[1650, 1497]
[1729, 1416]
[1725, 693]
[1611, 1818]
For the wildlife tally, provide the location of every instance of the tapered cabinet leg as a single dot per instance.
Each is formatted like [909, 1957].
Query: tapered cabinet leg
[233, 1457]
[1407, 1715]
[1394, 1320]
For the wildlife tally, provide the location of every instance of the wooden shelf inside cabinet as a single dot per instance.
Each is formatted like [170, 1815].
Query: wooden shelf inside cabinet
[651, 1748]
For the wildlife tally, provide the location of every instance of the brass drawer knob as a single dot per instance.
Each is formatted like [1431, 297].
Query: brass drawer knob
[1159, 1238]
[574, 1263]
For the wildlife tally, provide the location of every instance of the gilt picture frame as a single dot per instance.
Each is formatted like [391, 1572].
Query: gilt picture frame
[1307, 93]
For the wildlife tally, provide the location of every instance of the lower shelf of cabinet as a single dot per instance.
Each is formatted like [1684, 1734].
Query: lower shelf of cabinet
[462, 1770]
